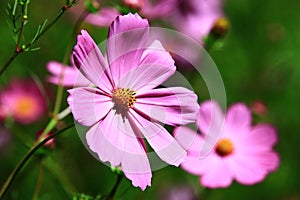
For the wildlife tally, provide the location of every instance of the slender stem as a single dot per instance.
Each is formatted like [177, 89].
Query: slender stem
[20, 50]
[115, 188]
[48, 128]
[21, 164]
[5, 66]
[24, 19]
[63, 113]
[39, 181]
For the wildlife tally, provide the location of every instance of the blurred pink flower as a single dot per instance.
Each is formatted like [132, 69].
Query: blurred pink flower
[71, 75]
[149, 9]
[125, 107]
[23, 101]
[103, 18]
[243, 152]
[196, 18]
[157, 9]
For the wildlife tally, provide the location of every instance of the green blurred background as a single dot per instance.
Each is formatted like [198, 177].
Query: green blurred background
[259, 60]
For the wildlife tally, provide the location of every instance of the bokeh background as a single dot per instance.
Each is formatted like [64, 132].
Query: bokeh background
[259, 60]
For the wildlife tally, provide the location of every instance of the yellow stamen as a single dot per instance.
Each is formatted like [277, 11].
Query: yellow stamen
[123, 98]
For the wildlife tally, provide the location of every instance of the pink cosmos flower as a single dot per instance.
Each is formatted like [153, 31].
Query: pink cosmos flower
[71, 75]
[196, 18]
[23, 101]
[125, 108]
[243, 152]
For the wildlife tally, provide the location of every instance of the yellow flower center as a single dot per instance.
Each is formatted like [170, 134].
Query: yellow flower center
[224, 147]
[24, 106]
[123, 98]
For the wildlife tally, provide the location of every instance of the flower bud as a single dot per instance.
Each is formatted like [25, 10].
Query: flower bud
[49, 144]
[220, 27]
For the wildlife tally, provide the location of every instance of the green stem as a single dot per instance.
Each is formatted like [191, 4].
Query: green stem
[20, 50]
[11, 59]
[48, 128]
[24, 19]
[115, 188]
[38, 182]
[21, 164]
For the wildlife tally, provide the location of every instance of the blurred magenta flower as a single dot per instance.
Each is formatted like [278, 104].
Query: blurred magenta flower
[196, 18]
[157, 9]
[149, 9]
[71, 75]
[243, 152]
[125, 107]
[23, 101]
[103, 18]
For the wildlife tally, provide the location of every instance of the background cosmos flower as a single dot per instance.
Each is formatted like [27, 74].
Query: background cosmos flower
[71, 75]
[23, 101]
[125, 107]
[243, 152]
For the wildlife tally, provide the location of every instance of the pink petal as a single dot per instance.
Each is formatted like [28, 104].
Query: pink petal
[164, 145]
[173, 106]
[211, 122]
[268, 160]
[261, 137]
[155, 67]
[103, 18]
[211, 117]
[71, 75]
[246, 169]
[193, 143]
[126, 42]
[88, 105]
[218, 174]
[114, 140]
[238, 118]
[90, 61]
[209, 167]
[189, 140]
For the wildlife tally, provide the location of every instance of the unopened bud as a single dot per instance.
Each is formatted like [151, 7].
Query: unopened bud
[258, 107]
[220, 27]
[50, 143]
[92, 5]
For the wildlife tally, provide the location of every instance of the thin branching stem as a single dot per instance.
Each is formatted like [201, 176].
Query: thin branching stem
[28, 45]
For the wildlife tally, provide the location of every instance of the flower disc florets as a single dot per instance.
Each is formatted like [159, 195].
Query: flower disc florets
[224, 147]
[123, 98]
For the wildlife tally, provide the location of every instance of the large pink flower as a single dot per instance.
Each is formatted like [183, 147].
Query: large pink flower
[23, 101]
[125, 108]
[243, 152]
